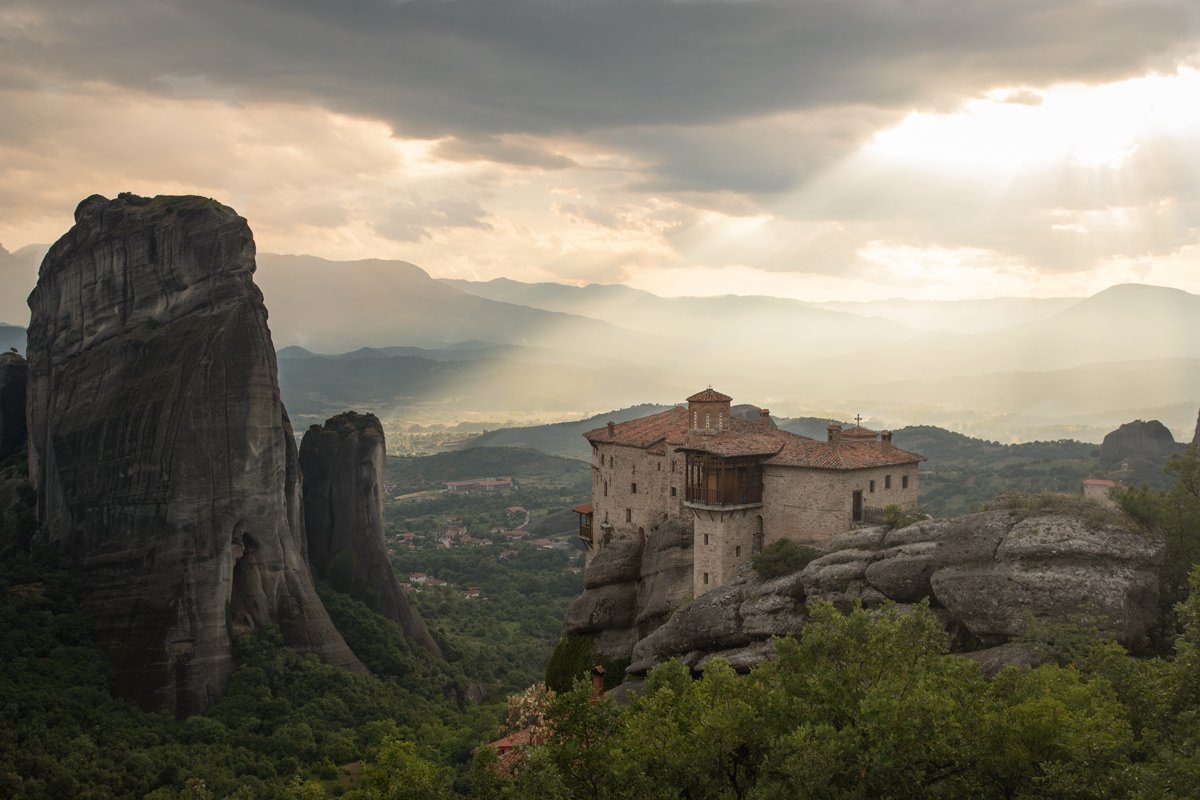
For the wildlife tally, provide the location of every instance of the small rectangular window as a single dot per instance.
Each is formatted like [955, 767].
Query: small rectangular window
[903, 481]
[706, 538]
[606, 488]
[872, 487]
[610, 461]
[706, 579]
[629, 515]
[737, 551]
[633, 488]
[672, 491]
[887, 481]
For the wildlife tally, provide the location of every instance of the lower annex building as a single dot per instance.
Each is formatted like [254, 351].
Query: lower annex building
[739, 484]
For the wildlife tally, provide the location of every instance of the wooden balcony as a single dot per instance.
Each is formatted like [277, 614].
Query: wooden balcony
[713, 481]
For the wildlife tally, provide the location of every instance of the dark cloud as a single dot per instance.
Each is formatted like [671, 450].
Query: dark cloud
[474, 68]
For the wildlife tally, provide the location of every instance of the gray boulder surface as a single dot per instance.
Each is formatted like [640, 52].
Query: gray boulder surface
[985, 575]
[342, 463]
[164, 461]
[631, 587]
[13, 378]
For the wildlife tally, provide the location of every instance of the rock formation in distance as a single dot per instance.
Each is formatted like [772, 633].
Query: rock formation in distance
[164, 461]
[342, 464]
[13, 374]
[1144, 446]
[1196, 435]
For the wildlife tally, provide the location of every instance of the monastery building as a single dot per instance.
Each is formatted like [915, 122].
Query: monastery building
[740, 484]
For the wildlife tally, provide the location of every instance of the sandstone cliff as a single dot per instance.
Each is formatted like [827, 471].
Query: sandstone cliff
[1196, 435]
[984, 574]
[163, 459]
[342, 463]
[13, 374]
[631, 587]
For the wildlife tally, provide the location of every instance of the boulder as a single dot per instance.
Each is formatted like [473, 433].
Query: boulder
[665, 575]
[1137, 440]
[631, 586]
[985, 576]
[1021, 655]
[13, 377]
[618, 561]
[163, 459]
[605, 608]
[342, 464]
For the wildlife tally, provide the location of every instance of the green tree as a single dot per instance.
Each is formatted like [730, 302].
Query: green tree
[399, 773]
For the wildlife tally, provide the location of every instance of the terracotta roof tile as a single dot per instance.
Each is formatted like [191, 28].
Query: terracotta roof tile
[644, 431]
[746, 438]
[803, 452]
[733, 443]
[709, 395]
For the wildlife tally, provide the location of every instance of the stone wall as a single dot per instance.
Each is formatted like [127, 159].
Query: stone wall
[724, 546]
[809, 505]
[616, 507]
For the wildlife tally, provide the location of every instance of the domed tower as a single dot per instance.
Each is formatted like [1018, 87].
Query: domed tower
[708, 411]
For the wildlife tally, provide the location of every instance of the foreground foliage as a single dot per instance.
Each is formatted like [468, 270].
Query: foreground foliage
[869, 705]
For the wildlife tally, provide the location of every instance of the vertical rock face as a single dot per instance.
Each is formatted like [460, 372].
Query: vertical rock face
[13, 371]
[631, 587]
[1196, 435]
[164, 461]
[342, 463]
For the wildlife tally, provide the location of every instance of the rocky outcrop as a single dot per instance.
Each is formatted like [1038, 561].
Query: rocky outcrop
[1196, 435]
[985, 575]
[164, 462]
[631, 587]
[1143, 446]
[13, 373]
[342, 463]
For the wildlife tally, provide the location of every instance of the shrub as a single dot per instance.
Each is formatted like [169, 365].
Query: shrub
[782, 557]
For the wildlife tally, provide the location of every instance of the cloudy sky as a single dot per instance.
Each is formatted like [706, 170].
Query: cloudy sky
[846, 149]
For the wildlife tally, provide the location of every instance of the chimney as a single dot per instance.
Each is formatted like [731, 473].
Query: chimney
[612, 430]
[764, 417]
[597, 680]
[835, 432]
[885, 441]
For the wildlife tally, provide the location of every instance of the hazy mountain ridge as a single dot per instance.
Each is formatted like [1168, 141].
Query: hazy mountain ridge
[1064, 367]
[397, 303]
[600, 300]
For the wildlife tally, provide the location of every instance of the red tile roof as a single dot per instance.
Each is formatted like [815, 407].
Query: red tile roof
[858, 432]
[801, 451]
[1099, 482]
[709, 395]
[746, 438]
[586, 508]
[644, 431]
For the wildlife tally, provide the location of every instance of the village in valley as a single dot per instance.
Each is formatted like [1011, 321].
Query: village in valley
[502, 520]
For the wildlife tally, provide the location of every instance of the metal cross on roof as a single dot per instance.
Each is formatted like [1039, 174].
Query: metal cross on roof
[858, 420]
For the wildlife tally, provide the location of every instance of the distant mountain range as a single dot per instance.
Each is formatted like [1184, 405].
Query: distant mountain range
[18, 275]
[386, 336]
